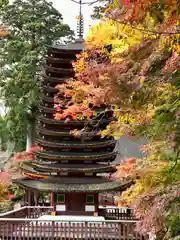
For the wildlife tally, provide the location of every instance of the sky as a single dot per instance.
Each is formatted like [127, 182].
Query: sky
[70, 10]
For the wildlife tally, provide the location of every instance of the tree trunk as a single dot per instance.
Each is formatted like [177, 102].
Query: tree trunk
[30, 139]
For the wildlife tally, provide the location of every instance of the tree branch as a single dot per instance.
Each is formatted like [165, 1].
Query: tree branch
[88, 3]
[145, 31]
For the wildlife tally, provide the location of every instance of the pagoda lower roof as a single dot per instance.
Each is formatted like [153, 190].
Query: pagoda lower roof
[77, 144]
[75, 180]
[75, 123]
[47, 186]
[86, 168]
[78, 156]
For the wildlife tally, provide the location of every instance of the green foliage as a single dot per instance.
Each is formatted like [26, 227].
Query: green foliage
[32, 25]
[16, 191]
[99, 8]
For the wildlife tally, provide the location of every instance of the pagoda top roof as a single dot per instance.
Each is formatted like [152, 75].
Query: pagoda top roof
[77, 45]
[44, 185]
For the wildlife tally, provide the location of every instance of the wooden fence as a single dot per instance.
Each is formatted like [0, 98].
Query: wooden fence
[23, 224]
[28, 229]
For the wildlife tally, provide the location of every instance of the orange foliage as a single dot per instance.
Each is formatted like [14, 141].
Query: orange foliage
[25, 155]
[5, 178]
[74, 112]
[126, 169]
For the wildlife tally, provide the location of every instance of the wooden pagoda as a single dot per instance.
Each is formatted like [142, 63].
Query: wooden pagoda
[70, 170]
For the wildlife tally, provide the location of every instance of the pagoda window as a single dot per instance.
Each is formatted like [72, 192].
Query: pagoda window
[87, 150]
[53, 173]
[63, 174]
[65, 150]
[60, 198]
[66, 138]
[89, 198]
[65, 161]
[89, 174]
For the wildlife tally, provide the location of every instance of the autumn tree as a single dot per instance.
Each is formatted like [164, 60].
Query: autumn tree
[31, 25]
[139, 79]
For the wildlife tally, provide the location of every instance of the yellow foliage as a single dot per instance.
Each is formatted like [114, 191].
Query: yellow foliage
[2, 192]
[109, 32]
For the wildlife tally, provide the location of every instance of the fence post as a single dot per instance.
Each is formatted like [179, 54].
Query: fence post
[52, 229]
[86, 231]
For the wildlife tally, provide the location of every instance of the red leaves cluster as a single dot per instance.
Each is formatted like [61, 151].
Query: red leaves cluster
[73, 112]
[126, 169]
[5, 178]
[26, 155]
[173, 63]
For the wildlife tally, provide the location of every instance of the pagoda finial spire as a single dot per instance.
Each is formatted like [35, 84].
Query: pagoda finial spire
[80, 23]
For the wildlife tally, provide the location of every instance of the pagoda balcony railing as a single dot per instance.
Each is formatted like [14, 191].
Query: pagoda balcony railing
[27, 229]
[32, 212]
[117, 213]
[27, 212]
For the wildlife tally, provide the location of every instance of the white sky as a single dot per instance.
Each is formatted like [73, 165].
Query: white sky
[70, 10]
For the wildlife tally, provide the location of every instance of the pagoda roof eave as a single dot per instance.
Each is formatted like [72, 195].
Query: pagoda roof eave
[74, 122]
[96, 168]
[76, 144]
[77, 45]
[53, 133]
[55, 80]
[65, 156]
[49, 89]
[60, 187]
[59, 70]
[53, 110]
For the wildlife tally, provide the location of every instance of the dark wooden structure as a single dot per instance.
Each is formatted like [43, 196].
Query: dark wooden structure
[70, 170]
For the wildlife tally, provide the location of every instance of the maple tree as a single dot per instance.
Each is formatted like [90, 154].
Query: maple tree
[136, 73]
[15, 162]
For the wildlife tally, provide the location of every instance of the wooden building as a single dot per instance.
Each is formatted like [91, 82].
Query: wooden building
[70, 170]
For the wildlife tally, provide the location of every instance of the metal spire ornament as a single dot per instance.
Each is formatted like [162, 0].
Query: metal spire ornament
[80, 22]
[80, 19]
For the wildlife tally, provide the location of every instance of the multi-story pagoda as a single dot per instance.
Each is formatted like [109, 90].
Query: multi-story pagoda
[66, 167]
[71, 170]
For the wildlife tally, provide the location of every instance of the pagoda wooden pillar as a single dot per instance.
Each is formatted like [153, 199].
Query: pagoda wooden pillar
[36, 197]
[52, 201]
[25, 198]
[29, 198]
